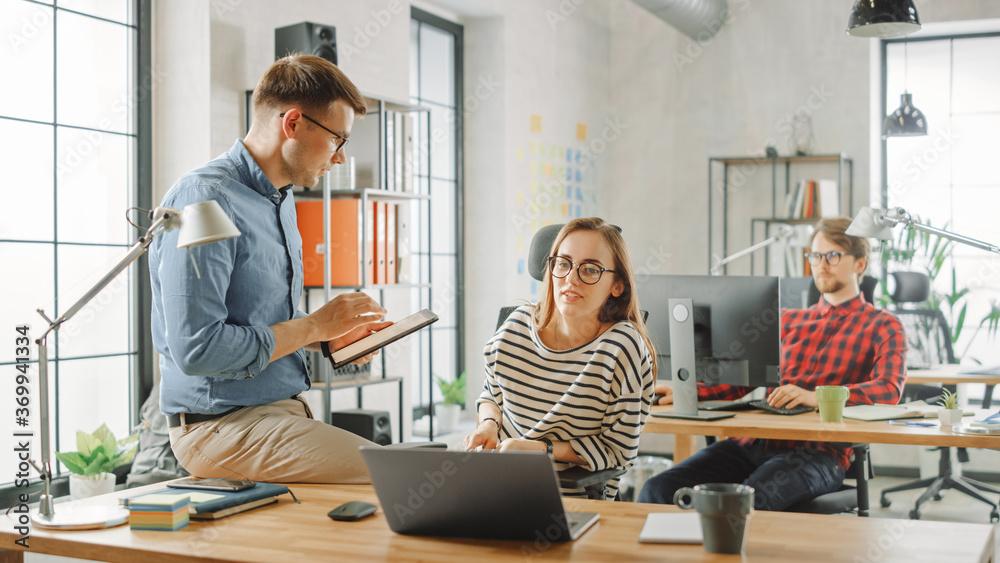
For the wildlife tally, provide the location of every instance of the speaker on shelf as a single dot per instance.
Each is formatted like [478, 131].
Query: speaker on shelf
[370, 425]
[308, 38]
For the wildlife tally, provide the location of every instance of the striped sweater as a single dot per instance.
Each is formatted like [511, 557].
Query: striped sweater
[596, 396]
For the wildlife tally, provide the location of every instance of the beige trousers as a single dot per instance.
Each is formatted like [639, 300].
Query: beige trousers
[276, 443]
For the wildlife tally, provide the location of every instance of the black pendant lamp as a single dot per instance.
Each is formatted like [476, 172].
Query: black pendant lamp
[883, 18]
[907, 120]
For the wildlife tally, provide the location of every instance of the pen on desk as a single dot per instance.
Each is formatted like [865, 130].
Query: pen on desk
[910, 423]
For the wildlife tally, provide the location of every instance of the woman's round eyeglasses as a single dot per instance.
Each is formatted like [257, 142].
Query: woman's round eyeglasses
[588, 272]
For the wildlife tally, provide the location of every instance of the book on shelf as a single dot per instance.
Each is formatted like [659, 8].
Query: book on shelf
[878, 411]
[390, 150]
[829, 198]
[212, 505]
[409, 132]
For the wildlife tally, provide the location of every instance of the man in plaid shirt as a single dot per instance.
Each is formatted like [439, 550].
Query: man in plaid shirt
[839, 341]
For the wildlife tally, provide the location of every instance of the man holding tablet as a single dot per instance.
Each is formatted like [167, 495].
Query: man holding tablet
[231, 339]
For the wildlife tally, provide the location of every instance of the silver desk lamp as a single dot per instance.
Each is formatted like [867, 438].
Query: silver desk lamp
[199, 223]
[784, 233]
[878, 223]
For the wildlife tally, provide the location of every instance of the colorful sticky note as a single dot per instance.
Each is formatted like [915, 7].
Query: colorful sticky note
[536, 123]
[543, 149]
[520, 266]
[565, 210]
[519, 153]
[548, 169]
[576, 156]
[581, 131]
[579, 194]
[519, 198]
[569, 192]
[569, 155]
[579, 175]
[534, 147]
[520, 244]
[533, 167]
[569, 175]
[534, 286]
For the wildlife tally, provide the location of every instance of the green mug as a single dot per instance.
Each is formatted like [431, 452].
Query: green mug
[831, 399]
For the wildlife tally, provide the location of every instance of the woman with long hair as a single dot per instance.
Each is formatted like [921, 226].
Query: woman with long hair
[574, 374]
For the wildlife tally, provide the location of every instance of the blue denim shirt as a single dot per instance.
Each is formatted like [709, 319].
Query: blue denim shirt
[213, 333]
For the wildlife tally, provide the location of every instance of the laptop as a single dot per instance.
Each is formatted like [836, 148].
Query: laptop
[482, 495]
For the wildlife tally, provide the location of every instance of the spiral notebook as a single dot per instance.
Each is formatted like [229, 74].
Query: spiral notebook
[671, 527]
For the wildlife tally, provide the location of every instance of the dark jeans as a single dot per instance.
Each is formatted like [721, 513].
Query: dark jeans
[780, 478]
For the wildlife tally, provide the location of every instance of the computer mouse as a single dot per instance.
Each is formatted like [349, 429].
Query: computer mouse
[351, 511]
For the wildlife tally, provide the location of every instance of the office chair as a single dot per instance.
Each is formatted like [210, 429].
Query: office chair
[848, 498]
[593, 482]
[929, 343]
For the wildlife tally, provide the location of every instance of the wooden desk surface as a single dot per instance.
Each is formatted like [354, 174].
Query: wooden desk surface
[758, 424]
[302, 532]
[948, 374]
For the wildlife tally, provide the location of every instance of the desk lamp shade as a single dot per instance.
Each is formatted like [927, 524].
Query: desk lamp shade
[883, 18]
[870, 223]
[205, 222]
[906, 121]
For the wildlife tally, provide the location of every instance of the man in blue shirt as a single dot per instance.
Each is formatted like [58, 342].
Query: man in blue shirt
[231, 341]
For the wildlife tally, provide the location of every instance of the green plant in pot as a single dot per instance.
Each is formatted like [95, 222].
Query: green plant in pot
[453, 397]
[949, 413]
[97, 455]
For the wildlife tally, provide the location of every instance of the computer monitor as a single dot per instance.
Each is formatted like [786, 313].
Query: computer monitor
[723, 329]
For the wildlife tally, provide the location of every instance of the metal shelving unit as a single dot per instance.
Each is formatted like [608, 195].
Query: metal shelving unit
[378, 109]
[845, 170]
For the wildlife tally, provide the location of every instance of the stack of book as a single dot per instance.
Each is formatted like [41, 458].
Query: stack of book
[813, 198]
[201, 505]
[162, 512]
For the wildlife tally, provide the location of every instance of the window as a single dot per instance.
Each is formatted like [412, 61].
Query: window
[70, 117]
[436, 83]
[947, 178]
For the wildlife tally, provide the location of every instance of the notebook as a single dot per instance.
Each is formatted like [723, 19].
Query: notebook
[482, 495]
[671, 527]
[914, 409]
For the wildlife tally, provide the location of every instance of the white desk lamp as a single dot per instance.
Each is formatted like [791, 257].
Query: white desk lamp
[785, 232]
[878, 223]
[199, 223]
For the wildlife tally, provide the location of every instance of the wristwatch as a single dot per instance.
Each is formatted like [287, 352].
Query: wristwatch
[548, 445]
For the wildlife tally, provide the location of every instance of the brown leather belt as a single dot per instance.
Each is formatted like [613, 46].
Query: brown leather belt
[174, 420]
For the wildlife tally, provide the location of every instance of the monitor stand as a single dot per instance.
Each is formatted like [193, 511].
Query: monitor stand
[682, 363]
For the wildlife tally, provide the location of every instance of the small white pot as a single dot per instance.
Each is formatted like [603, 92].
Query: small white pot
[447, 418]
[949, 417]
[83, 487]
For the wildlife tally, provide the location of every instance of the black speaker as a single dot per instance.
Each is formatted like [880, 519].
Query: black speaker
[306, 37]
[370, 425]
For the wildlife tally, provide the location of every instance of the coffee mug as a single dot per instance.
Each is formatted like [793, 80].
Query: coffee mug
[723, 508]
[831, 399]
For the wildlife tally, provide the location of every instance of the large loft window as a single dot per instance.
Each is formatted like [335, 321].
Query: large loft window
[70, 115]
[948, 178]
[436, 83]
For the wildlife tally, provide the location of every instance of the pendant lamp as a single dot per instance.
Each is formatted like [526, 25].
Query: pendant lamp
[907, 120]
[883, 18]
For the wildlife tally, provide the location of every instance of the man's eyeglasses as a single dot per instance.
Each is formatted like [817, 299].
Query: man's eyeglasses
[832, 257]
[588, 272]
[341, 141]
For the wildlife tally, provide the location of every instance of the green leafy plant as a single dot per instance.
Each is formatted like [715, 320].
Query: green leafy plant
[948, 399]
[453, 393]
[99, 452]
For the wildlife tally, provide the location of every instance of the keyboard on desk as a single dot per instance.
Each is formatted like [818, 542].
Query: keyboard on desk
[762, 405]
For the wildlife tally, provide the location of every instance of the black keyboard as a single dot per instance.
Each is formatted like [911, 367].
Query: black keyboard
[762, 405]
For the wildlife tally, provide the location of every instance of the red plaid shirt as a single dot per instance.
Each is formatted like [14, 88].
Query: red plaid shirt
[852, 344]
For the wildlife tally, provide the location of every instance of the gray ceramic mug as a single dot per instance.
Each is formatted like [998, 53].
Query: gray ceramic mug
[724, 508]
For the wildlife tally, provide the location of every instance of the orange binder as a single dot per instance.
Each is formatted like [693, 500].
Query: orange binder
[370, 243]
[345, 242]
[390, 243]
[380, 230]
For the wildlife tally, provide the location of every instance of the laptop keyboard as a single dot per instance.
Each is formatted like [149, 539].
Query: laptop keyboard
[762, 405]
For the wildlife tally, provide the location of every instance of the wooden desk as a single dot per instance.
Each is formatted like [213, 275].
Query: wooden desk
[758, 424]
[948, 374]
[302, 532]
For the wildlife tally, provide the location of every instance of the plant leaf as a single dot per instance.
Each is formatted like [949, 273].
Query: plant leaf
[72, 461]
[86, 443]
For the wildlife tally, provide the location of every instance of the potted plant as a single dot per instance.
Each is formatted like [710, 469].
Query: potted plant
[97, 455]
[949, 413]
[453, 396]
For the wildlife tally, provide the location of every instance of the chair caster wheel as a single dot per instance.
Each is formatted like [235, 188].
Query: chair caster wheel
[885, 502]
[914, 515]
[994, 516]
[937, 497]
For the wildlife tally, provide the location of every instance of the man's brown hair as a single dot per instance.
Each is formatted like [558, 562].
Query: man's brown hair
[307, 81]
[835, 229]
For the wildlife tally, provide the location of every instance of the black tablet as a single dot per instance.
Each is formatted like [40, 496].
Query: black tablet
[388, 335]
